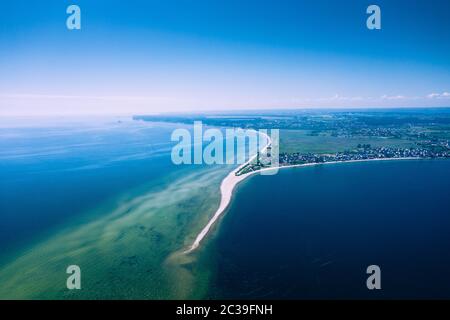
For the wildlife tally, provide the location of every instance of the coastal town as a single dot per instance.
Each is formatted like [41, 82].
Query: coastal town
[433, 150]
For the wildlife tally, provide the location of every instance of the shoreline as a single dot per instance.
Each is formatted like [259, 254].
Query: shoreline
[229, 183]
[226, 192]
[336, 162]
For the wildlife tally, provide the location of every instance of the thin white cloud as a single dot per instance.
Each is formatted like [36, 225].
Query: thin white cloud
[80, 97]
[443, 95]
[338, 97]
[397, 97]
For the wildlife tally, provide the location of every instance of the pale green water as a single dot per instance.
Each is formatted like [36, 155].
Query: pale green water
[125, 242]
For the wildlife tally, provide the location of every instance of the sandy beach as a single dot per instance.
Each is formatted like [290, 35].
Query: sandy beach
[226, 190]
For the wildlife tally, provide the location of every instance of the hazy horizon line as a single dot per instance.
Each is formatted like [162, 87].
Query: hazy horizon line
[223, 111]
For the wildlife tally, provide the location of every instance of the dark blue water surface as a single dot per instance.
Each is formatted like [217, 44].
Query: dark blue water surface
[312, 232]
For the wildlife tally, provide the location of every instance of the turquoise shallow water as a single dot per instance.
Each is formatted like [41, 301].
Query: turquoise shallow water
[312, 232]
[102, 194]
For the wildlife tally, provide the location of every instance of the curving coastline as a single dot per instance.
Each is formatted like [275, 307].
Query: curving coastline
[231, 180]
[226, 190]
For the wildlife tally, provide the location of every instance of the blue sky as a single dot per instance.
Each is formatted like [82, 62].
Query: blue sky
[154, 56]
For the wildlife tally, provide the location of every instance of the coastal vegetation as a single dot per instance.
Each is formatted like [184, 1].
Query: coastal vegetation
[322, 136]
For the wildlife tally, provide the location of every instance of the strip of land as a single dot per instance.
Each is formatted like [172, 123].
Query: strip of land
[226, 190]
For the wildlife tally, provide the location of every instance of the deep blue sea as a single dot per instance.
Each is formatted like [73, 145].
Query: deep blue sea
[312, 232]
[56, 170]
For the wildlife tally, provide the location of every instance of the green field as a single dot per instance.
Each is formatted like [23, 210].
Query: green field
[301, 141]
